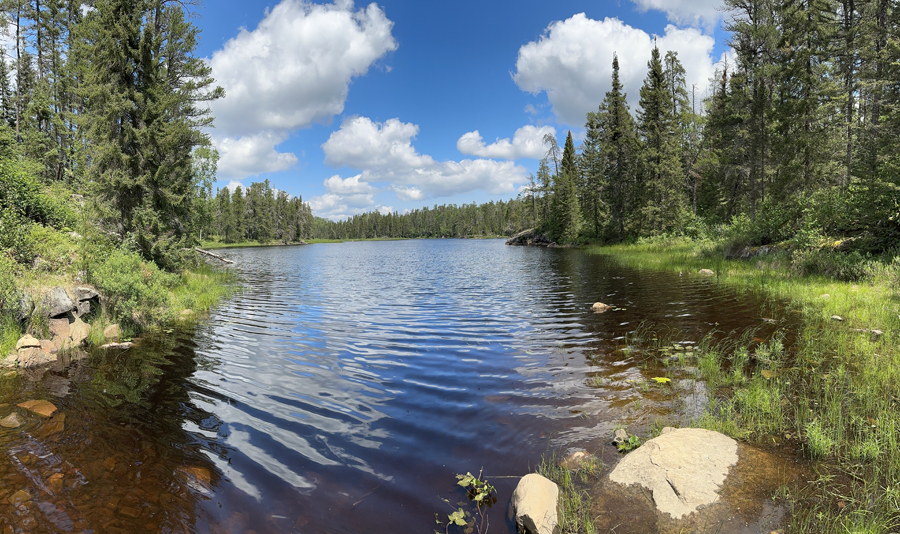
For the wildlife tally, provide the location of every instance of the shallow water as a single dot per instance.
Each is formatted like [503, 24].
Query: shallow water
[347, 385]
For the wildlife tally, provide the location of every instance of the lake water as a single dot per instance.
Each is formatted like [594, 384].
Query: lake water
[347, 385]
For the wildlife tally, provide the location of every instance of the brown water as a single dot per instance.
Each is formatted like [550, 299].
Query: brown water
[348, 384]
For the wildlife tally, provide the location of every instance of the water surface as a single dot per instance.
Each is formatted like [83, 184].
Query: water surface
[347, 385]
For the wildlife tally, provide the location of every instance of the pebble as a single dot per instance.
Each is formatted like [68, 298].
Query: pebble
[19, 497]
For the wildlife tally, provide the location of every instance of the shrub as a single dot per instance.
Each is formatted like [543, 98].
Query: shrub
[136, 291]
[848, 267]
[21, 193]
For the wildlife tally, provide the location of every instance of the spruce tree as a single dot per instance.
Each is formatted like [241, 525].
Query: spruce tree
[145, 96]
[660, 203]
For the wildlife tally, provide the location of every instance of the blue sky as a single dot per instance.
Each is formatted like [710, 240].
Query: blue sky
[406, 103]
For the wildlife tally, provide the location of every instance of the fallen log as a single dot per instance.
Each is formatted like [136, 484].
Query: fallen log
[212, 255]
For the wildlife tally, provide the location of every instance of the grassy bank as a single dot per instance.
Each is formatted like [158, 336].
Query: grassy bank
[837, 393]
[137, 295]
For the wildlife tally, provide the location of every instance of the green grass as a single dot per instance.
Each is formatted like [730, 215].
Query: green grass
[838, 393]
[574, 498]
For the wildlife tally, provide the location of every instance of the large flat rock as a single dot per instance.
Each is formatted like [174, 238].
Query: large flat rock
[683, 468]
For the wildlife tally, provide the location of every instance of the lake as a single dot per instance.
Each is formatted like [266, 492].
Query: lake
[348, 384]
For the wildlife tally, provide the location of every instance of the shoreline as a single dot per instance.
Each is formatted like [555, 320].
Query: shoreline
[844, 372]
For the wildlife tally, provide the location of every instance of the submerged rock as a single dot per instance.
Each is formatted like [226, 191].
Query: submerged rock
[599, 307]
[39, 407]
[576, 459]
[533, 504]
[683, 468]
[13, 420]
[119, 346]
[619, 437]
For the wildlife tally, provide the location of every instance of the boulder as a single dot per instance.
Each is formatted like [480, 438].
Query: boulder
[86, 293]
[599, 307]
[111, 332]
[683, 468]
[39, 407]
[57, 302]
[59, 328]
[28, 342]
[79, 331]
[707, 272]
[533, 505]
[530, 238]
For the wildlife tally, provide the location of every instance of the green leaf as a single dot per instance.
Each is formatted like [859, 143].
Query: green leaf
[458, 518]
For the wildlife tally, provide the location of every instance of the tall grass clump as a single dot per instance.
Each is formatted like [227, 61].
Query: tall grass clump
[574, 498]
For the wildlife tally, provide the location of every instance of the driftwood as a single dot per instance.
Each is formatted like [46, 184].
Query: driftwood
[212, 255]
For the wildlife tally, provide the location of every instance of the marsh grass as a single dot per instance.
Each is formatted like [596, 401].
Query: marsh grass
[574, 495]
[837, 391]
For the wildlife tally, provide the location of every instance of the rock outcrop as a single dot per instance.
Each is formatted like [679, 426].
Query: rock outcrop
[534, 504]
[683, 468]
[530, 238]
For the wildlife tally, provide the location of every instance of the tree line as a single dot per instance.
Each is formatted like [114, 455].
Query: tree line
[259, 213]
[796, 139]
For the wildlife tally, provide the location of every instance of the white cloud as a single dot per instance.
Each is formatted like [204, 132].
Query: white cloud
[363, 144]
[527, 142]
[572, 62]
[348, 186]
[704, 13]
[253, 154]
[409, 193]
[233, 185]
[293, 70]
[384, 153]
[351, 191]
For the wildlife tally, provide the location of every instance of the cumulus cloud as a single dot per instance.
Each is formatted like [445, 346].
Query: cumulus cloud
[351, 191]
[572, 62]
[704, 13]
[293, 70]
[251, 155]
[409, 193]
[384, 153]
[527, 142]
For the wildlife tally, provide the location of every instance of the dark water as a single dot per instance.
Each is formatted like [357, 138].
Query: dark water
[347, 385]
